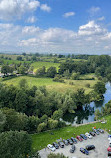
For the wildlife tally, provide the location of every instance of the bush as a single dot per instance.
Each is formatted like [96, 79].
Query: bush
[41, 127]
[88, 85]
[52, 124]
[52, 155]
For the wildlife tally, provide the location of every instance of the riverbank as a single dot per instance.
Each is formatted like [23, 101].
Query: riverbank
[41, 140]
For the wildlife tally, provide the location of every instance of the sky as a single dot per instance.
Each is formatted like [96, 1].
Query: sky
[55, 26]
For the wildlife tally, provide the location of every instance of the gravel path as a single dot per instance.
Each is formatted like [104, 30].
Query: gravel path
[100, 141]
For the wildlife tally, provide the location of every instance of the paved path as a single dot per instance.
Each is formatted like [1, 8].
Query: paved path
[100, 141]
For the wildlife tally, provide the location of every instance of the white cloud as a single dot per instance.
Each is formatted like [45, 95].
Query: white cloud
[45, 7]
[101, 18]
[94, 10]
[30, 29]
[31, 19]
[10, 9]
[90, 38]
[68, 14]
[91, 28]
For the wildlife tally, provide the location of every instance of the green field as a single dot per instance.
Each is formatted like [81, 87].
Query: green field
[55, 86]
[40, 64]
[41, 140]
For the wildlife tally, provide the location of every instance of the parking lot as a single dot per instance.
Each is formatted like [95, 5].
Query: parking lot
[100, 141]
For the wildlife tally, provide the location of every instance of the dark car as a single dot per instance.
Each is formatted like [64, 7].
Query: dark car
[61, 144]
[55, 145]
[74, 140]
[96, 131]
[84, 151]
[79, 138]
[65, 141]
[100, 130]
[72, 149]
[83, 136]
[92, 133]
[70, 141]
[109, 153]
[90, 147]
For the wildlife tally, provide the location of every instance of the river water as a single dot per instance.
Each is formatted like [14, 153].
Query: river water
[87, 114]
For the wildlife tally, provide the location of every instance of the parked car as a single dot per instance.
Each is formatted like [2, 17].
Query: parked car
[55, 145]
[88, 135]
[72, 149]
[84, 151]
[109, 137]
[92, 133]
[65, 141]
[109, 148]
[109, 153]
[61, 144]
[51, 147]
[70, 141]
[74, 140]
[83, 136]
[79, 138]
[100, 130]
[96, 131]
[90, 147]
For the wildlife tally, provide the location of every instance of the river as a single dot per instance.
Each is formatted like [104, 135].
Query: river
[87, 114]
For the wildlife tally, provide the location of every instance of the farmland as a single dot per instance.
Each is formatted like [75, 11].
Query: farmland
[39, 64]
[55, 86]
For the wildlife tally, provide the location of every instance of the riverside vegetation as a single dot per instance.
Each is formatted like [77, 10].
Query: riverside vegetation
[28, 108]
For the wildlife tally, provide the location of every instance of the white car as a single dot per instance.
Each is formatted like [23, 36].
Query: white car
[88, 135]
[51, 147]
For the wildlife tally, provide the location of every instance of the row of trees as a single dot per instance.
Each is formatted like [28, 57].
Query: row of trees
[20, 68]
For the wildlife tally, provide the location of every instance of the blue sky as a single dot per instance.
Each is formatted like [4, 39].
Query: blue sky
[56, 26]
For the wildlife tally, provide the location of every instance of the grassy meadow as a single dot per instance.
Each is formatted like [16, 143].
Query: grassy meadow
[55, 86]
[41, 140]
[40, 64]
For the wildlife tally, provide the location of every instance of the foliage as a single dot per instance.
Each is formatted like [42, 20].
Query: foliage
[2, 120]
[51, 72]
[41, 127]
[22, 69]
[57, 114]
[14, 144]
[52, 155]
[52, 124]
[40, 71]
[99, 88]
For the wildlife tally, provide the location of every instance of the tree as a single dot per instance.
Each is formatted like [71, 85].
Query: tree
[2, 120]
[23, 83]
[75, 76]
[41, 71]
[22, 70]
[5, 69]
[19, 58]
[52, 124]
[57, 114]
[14, 144]
[41, 127]
[14, 120]
[99, 88]
[51, 72]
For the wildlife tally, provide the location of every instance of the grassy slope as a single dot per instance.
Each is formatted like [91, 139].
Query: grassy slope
[40, 64]
[41, 140]
[55, 86]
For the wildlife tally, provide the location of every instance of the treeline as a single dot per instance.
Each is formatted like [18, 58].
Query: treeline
[106, 110]
[93, 65]
[21, 68]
